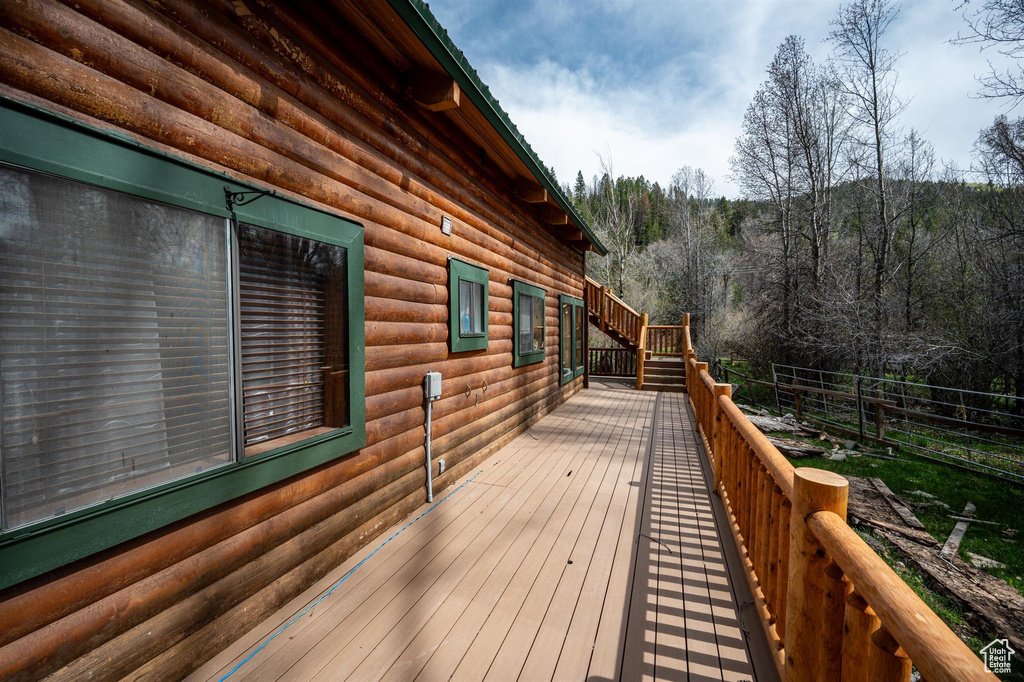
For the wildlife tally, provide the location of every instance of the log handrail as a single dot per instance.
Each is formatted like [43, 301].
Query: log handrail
[830, 607]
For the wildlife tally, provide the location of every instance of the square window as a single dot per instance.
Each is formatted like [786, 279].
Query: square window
[528, 315]
[467, 310]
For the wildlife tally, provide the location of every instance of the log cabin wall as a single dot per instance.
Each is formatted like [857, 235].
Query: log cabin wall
[308, 103]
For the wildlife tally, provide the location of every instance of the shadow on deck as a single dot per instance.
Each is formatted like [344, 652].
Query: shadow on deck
[587, 548]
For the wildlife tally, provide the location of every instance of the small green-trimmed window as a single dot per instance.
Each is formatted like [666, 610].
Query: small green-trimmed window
[570, 335]
[467, 306]
[528, 315]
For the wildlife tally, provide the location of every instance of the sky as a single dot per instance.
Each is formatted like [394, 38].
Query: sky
[654, 85]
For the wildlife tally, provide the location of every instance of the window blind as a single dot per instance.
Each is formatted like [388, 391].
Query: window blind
[113, 344]
[290, 353]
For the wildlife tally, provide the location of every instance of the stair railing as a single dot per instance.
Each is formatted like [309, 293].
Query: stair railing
[612, 313]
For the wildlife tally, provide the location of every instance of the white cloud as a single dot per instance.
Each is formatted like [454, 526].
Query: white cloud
[570, 121]
[669, 85]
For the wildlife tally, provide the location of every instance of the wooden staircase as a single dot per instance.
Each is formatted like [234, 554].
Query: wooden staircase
[611, 315]
[664, 373]
[660, 349]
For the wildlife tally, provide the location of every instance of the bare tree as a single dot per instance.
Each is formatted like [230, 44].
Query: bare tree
[915, 172]
[867, 72]
[998, 24]
[763, 165]
[790, 156]
[614, 221]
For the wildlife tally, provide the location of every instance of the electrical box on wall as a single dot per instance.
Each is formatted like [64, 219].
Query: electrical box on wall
[446, 224]
[432, 385]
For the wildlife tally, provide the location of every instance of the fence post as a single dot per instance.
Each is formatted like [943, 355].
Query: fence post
[718, 428]
[879, 416]
[814, 490]
[775, 380]
[860, 408]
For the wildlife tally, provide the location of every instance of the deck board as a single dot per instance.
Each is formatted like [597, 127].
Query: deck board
[482, 586]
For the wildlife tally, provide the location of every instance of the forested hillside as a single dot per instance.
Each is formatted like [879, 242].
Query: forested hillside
[853, 248]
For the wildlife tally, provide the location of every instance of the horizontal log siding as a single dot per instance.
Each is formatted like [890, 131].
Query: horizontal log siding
[311, 109]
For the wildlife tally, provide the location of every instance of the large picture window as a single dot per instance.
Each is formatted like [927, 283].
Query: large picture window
[530, 328]
[159, 353]
[570, 334]
[467, 306]
[114, 347]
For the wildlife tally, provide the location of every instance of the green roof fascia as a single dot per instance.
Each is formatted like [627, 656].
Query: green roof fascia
[435, 38]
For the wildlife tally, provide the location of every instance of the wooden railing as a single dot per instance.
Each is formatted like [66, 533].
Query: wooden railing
[612, 362]
[832, 609]
[665, 340]
[612, 314]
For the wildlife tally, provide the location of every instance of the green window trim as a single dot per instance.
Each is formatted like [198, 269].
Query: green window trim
[520, 357]
[573, 368]
[461, 271]
[42, 141]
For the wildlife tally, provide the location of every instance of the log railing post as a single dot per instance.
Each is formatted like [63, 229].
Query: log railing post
[859, 622]
[814, 490]
[698, 383]
[887, 661]
[718, 431]
[690, 383]
[837, 587]
[602, 316]
[641, 351]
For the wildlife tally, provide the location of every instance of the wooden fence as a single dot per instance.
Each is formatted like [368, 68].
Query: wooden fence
[831, 608]
[871, 409]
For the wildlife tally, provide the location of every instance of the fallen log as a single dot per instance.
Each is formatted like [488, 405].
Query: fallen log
[796, 448]
[896, 504]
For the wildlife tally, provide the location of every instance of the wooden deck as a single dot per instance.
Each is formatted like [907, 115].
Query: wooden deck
[565, 556]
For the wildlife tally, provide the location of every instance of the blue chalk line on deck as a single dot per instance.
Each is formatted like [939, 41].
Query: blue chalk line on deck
[344, 578]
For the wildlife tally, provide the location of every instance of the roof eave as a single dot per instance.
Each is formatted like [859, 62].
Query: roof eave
[422, 22]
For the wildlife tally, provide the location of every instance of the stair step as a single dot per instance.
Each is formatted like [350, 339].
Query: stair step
[665, 362]
[664, 388]
[665, 378]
